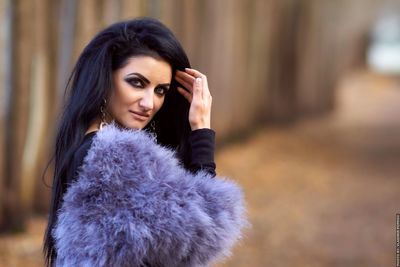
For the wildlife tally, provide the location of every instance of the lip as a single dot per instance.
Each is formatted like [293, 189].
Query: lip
[139, 115]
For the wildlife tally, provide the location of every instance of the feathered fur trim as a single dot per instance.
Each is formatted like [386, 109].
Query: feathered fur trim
[134, 205]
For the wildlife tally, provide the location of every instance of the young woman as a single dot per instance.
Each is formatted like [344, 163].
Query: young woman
[134, 181]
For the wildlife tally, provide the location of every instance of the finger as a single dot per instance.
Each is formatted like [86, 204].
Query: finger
[185, 94]
[194, 73]
[185, 76]
[197, 89]
[187, 85]
[198, 74]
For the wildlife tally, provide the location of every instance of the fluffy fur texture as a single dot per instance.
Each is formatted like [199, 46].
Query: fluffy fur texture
[134, 205]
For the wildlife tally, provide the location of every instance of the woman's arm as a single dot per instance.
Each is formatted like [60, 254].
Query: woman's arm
[202, 145]
[202, 138]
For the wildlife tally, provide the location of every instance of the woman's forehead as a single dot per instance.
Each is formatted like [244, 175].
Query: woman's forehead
[150, 67]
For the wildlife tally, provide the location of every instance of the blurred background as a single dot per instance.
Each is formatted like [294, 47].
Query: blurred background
[306, 105]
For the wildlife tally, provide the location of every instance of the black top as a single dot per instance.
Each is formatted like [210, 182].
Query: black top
[200, 154]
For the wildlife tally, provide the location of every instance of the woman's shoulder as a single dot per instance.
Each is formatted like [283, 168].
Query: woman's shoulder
[83, 148]
[80, 154]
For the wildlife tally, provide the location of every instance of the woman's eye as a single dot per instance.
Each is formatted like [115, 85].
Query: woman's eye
[161, 90]
[135, 82]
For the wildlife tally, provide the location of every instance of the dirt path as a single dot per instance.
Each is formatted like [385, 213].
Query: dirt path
[324, 193]
[320, 193]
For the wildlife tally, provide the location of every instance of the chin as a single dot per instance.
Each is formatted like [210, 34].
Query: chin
[133, 124]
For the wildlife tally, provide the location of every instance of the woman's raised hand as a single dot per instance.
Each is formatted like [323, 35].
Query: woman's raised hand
[198, 95]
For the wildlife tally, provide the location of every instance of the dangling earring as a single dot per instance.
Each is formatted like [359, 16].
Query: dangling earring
[103, 114]
[152, 129]
[153, 126]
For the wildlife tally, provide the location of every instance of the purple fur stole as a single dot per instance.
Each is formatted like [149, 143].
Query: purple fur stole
[133, 204]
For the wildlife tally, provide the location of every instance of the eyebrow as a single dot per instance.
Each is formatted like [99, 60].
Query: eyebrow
[145, 79]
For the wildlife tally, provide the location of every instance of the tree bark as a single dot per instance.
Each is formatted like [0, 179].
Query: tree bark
[5, 90]
[18, 112]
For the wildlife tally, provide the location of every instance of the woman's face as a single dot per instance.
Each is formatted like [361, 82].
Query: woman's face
[139, 91]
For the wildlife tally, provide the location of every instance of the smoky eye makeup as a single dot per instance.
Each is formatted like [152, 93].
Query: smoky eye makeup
[135, 82]
[162, 90]
[139, 81]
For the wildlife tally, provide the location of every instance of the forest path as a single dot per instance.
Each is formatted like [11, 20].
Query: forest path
[324, 192]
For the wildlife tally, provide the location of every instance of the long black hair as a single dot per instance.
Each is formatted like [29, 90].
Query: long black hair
[91, 82]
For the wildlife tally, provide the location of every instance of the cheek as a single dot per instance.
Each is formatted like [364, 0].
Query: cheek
[117, 101]
[112, 105]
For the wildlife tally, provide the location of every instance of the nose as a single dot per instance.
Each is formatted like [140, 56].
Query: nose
[147, 100]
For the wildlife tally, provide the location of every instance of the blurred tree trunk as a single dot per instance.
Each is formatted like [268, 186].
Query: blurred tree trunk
[189, 25]
[132, 8]
[260, 26]
[111, 11]
[5, 89]
[281, 98]
[40, 98]
[88, 21]
[214, 41]
[65, 46]
[46, 47]
[18, 111]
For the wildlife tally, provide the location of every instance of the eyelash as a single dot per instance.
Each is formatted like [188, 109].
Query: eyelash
[164, 92]
[137, 83]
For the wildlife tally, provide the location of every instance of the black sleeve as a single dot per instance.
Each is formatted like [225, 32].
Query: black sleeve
[77, 160]
[202, 146]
